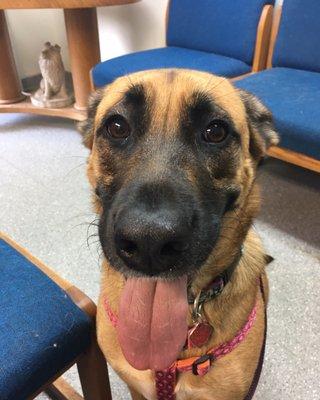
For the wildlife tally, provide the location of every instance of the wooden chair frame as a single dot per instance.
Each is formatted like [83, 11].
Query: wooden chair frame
[281, 153]
[92, 367]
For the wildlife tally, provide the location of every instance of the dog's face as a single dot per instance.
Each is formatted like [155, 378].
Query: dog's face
[174, 154]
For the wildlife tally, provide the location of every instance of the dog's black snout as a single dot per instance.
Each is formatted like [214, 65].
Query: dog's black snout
[151, 242]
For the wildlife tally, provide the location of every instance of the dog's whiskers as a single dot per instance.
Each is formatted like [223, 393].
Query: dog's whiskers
[73, 169]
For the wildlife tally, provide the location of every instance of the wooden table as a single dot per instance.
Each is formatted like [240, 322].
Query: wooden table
[83, 42]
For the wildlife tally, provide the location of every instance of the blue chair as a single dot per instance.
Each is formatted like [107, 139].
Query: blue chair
[46, 326]
[223, 37]
[291, 85]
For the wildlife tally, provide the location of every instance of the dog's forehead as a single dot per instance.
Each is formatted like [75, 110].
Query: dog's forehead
[167, 93]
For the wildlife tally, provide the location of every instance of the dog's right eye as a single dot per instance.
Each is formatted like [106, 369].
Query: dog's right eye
[117, 127]
[215, 132]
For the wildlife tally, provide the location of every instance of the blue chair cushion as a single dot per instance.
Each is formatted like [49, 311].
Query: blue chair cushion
[298, 41]
[293, 96]
[226, 27]
[167, 57]
[41, 330]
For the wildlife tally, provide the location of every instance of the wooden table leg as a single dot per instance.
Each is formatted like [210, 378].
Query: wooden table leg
[10, 86]
[83, 42]
[93, 373]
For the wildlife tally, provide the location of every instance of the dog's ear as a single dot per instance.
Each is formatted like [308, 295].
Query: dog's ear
[261, 127]
[86, 127]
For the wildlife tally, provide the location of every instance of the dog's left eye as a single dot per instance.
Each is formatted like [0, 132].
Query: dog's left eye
[117, 127]
[215, 132]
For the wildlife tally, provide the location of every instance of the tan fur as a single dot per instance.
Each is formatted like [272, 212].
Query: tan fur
[230, 376]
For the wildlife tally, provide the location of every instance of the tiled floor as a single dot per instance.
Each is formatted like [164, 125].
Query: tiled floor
[45, 205]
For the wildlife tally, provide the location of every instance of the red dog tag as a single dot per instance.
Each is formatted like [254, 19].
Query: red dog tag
[199, 335]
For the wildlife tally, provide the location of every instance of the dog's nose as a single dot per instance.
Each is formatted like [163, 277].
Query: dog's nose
[151, 242]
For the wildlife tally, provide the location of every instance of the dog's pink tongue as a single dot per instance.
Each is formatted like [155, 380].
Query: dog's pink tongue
[152, 324]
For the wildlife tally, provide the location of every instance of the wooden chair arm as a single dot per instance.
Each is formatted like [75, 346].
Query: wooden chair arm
[263, 39]
[274, 33]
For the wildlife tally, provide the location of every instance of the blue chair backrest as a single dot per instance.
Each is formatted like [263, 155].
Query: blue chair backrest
[298, 41]
[225, 27]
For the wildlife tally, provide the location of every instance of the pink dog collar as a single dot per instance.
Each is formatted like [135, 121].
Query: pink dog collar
[165, 380]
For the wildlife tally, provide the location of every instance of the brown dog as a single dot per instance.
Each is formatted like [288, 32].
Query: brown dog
[173, 164]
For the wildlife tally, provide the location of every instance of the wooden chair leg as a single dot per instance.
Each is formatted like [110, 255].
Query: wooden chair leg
[93, 373]
[61, 390]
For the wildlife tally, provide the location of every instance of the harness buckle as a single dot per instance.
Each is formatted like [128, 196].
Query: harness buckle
[202, 360]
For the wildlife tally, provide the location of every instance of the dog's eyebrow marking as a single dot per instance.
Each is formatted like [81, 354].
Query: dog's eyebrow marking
[201, 104]
[135, 96]
[201, 100]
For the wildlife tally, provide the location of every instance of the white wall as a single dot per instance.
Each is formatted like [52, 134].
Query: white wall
[123, 29]
[29, 29]
[131, 28]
